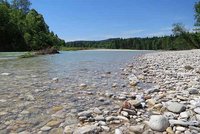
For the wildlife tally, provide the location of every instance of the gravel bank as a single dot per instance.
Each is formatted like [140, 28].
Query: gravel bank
[170, 105]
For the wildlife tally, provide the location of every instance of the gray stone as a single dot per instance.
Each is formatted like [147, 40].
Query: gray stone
[184, 115]
[85, 113]
[152, 90]
[88, 129]
[158, 123]
[193, 91]
[183, 123]
[138, 129]
[97, 111]
[99, 118]
[175, 107]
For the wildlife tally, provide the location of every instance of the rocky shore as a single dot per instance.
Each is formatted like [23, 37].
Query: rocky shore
[161, 97]
[171, 106]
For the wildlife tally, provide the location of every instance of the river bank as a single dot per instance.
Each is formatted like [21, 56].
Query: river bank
[171, 106]
[103, 101]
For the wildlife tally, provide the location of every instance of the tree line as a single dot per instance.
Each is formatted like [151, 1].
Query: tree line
[24, 29]
[181, 39]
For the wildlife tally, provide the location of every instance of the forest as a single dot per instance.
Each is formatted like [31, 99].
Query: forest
[24, 29]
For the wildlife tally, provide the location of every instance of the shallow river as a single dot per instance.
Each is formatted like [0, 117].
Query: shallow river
[35, 85]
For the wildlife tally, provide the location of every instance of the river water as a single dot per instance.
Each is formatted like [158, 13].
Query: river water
[35, 85]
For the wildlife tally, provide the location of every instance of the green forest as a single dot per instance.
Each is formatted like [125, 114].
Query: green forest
[24, 29]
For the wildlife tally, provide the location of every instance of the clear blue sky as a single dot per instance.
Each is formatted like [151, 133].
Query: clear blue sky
[101, 19]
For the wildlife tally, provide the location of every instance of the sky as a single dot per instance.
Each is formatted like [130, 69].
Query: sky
[101, 19]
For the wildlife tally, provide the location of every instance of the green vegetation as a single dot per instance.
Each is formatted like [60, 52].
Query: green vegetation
[28, 55]
[24, 29]
[63, 48]
[181, 39]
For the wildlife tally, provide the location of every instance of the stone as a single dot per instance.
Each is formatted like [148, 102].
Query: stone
[114, 85]
[105, 128]
[158, 123]
[179, 128]
[122, 118]
[85, 113]
[188, 67]
[193, 91]
[137, 129]
[187, 132]
[135, 103]
[175, 107]
[56, 131]
[133, 80]
[151, 102]
[99, 118]
[197, 110]
[53, 123]
[184, 115]
[83, 85]
[182, 123]
[24, 132]
[97, 111]
[169, 130]
[124, 113]
[5, 74]
[59, 114]
[152, 90]
[30, 97]
[69, 129]
[88, 129]
[45, 128]
[57, 108]
[118, 131]
[55, 79]
[102, 123]
[102, 99]
[110, 118]
[3, 113]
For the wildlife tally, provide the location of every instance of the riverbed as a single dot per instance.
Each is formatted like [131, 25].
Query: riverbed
[32, 90]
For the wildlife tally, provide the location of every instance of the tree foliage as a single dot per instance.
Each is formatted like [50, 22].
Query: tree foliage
[22, 29]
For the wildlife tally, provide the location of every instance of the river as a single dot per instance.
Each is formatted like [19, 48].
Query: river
[31, 87]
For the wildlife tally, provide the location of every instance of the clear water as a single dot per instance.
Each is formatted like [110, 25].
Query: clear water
[34, 76]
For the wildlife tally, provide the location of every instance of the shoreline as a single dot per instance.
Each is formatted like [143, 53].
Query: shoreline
[158, 93]
[172, 105]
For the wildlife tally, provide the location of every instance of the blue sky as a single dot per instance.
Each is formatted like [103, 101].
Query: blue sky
[102, 19]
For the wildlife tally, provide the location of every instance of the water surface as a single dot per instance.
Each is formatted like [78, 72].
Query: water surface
[34, 76]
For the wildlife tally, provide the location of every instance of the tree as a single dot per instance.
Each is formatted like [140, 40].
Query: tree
[197, 13]
[23, 5]
[180, 31]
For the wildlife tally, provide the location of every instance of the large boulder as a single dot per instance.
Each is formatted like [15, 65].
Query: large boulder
[158, 123]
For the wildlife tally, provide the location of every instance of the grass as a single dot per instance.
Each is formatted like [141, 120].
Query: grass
[28, 55]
